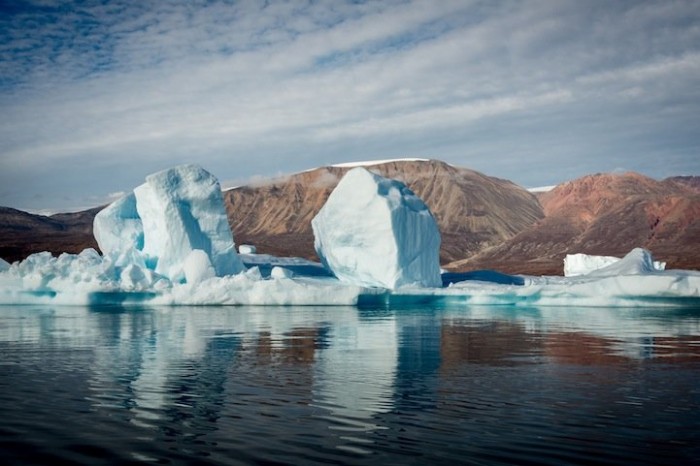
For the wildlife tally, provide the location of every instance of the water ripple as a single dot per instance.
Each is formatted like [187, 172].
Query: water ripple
[343, 386]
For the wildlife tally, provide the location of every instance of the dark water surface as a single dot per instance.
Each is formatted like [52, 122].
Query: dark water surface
[301, 385]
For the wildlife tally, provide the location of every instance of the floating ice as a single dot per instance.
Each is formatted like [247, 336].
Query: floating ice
[169, 244]
[159, 225]
[137, 278]
[197, 267]
[182, 209]
[584, 264]
[247, 249]
[118, 228]
[281, 272]
[294, 265]
[637, 262]
[375, 232]
[89, 279]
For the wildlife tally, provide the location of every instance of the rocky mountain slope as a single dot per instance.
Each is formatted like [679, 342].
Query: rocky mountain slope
[607, 215]
[22, 233]
[473, 211]
[485, 222]
[692, 182]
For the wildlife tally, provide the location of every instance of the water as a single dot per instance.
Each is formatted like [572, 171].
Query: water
[300, 385]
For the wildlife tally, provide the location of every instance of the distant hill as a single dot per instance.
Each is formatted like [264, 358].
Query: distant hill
[607, 215]
[485, 222]
[692, 182]
[22, 233]
[473, 211]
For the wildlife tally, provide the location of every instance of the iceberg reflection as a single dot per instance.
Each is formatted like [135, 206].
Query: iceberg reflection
[347, 367]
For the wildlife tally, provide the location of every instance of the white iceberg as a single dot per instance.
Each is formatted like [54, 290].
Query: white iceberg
[376, 232]
[169, 244]
[197, 267]
[247, 249]
[584, 264]
[182, 209]
[89, 279]
[281, 272]
[175, 212]
[118, 228]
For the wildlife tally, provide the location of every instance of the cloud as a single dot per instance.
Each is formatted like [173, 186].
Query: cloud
[324, 180]
[102, 92]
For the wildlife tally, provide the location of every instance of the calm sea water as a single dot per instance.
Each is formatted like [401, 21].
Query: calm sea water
[305, 385]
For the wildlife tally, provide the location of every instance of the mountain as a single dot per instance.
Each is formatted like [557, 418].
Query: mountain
[692, 182]
[23, 233]
[473, 211]
[485, 222]
[603, 214]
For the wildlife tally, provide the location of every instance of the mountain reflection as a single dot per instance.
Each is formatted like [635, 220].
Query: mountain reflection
[184, 371]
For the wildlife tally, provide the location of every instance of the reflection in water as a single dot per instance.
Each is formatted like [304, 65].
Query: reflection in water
[354, 376]
[325, 384]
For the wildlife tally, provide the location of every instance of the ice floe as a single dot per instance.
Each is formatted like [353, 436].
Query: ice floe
[584, 264]
[169, 244]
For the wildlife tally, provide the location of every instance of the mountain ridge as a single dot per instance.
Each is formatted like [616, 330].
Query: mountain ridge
[22, 233]
[604, 214]
[472, 210]
[485, 222]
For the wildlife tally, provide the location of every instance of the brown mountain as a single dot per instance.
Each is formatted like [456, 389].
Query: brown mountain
[485, 222]
[473, 211]
[607, 215]
[692, 182]
[22, 233]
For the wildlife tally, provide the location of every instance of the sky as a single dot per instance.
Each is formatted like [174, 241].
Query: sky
[95, 95]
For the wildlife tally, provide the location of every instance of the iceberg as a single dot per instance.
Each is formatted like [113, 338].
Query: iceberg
[118, 228]
[375, 232]
[174, 213]
[169, 243]
[584, 264]
[182, 209]
[637, 262]
[247, 249]
[197, 267]
[89, 279]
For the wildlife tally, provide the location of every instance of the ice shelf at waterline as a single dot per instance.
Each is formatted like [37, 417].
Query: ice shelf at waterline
[169, 243]
[88, 279]
[584, 264]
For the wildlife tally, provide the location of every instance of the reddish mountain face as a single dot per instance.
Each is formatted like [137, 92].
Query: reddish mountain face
[473, 211]
[692, 182]
[485, 222]
[607, 215]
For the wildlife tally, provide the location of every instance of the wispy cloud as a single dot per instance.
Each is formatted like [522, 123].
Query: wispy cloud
[97, 94]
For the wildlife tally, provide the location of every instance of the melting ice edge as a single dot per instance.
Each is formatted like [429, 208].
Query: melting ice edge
[168, 243]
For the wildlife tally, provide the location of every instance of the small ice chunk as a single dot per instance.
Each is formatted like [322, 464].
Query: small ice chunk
[136, 278]
[246, 249]
[197, 267]
[376, 232]
[281, 272]
[4, 265]
[254, 274]
[637, 262]
[584, 264]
